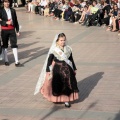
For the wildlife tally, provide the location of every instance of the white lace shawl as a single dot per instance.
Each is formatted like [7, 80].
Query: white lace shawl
[67, 51]
[41, 80]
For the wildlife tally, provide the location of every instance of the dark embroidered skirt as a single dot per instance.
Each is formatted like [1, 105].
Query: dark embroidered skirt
[64, 81]
[62, 87]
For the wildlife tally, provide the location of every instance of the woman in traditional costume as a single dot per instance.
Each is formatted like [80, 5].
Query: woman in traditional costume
[57, 81]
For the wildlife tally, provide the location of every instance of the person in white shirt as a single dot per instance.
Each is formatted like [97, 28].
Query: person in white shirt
[41, 6]
[32, 5]
[9, 29]
[83, 3]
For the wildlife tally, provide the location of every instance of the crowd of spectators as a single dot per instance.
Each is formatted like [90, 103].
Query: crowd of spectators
[87, 12]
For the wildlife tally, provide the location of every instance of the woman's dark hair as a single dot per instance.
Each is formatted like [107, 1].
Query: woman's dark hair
[115, 5]
[94, 1]
[63, 2]
[6, 1]
[89, 3]
[61, 35]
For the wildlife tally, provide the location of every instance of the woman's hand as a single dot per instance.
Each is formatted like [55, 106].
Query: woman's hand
[48, 73]
[9, 22]
[75, 72]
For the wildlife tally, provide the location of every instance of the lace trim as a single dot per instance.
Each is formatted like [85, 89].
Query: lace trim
[67, 51]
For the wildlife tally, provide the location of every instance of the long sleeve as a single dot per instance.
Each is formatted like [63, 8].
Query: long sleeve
[16, 22]
[71, 59]
[2, 22]
[50, 59]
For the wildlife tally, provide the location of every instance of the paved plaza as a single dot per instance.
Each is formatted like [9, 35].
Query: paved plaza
[97, 57]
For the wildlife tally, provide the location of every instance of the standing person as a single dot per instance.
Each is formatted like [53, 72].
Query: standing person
[0, 51]
[9, 23]
[14, 4]
[57, 81]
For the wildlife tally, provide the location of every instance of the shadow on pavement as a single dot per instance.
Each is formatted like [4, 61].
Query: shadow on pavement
[31, 54]
[87, 85]
[24, 54]
[89, 107]
[36, 53]
[5, 119]
[53, 110]
[21, 46]
[25, 34]
[117, 117]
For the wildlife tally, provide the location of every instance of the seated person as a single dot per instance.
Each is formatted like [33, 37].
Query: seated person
[67, 13]
[32, 5]
[14, 4]
[115, 22]
[76, 13]
[112, 17]
[53, 7]
[85, 11]
[105, 13]
[119, 26]
[46, 11]
[92, 13]
[58, 11]
[26, 4]
[65, 8]
[40, 7]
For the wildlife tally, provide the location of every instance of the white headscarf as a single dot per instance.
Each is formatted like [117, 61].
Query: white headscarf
[41, 79]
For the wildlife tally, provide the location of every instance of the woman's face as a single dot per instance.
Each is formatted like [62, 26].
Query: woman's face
[6, 4]
[115, 7]
[61, 41]
[85, 8]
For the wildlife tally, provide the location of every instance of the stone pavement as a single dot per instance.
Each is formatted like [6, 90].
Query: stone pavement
[97, 57]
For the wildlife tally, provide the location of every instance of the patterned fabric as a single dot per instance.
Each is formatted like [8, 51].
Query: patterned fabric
[67, 52]
[63, 81]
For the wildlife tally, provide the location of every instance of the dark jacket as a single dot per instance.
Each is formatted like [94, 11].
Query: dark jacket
[4, 18]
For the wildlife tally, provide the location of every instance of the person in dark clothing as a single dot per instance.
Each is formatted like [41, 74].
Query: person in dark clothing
[60, 84]
[9, 29]
[106, 8]
[23, 2]
[67, 14]
[111, 18]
